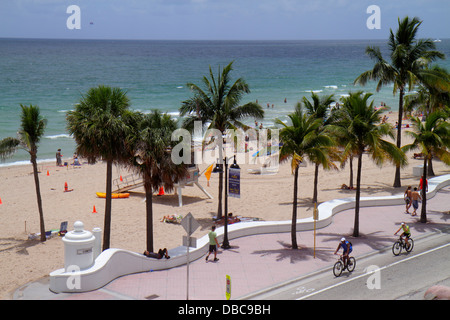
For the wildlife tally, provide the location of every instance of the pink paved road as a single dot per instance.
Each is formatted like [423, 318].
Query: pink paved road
[262, 261]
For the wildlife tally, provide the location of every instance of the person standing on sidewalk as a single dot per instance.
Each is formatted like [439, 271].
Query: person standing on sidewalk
[213, 243]
[407, 197]
[415, 197]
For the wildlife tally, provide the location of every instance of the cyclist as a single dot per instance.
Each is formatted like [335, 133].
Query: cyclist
[347, 249]
[406, 232]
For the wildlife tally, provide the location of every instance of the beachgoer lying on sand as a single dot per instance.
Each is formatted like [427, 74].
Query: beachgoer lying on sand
[161, 253]
[172, 218]
[345, 187]
[231, 219]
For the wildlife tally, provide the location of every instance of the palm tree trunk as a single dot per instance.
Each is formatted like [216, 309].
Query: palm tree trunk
[358, 194]
[351, 173]
[39, 199]
[397, 181]
[423, 212]
[107, 221]
[430, 168]
[316, 178]
[294, 212]
[149, 219]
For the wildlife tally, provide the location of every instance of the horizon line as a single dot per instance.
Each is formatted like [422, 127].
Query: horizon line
[140, 39]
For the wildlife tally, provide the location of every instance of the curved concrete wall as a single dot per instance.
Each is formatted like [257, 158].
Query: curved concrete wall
[113, 263]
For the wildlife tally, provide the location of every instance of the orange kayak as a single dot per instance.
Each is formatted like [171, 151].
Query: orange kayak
[113, 195]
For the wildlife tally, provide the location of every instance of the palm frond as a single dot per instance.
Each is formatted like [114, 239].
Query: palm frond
[8, 146]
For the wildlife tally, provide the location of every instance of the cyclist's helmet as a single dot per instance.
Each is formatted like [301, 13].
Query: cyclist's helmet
[343, 239]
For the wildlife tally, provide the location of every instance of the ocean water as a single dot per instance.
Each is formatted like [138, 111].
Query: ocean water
[53, 74]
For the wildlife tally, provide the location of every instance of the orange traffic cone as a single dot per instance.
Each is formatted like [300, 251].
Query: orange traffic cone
[93, 210]
[121, 179]
[161, 191]
[48, 173]
[66, 188]
[1, 201]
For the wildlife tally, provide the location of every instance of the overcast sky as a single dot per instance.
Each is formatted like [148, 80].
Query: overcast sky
[218, 19]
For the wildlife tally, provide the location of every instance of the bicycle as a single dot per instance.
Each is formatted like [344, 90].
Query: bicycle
[339, 266]
[401, 244]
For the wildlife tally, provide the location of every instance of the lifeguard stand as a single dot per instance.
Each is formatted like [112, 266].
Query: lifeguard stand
[190, 180]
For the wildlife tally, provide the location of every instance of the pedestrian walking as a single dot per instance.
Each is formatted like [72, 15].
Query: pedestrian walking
[213, 243]
[407, 197]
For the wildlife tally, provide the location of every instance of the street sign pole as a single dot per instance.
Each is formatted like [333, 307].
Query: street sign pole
[190, 225]
[187, 255]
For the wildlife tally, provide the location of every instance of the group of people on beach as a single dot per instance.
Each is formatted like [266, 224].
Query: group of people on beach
[412, 197]
[76, 161]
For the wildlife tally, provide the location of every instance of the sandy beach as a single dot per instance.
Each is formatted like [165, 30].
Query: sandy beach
[267, 197]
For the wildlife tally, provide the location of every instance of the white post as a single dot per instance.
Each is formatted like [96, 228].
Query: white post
[98, 242]
[187, 249]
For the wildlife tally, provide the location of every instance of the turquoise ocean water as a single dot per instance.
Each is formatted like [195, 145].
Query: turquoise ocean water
[54, 73]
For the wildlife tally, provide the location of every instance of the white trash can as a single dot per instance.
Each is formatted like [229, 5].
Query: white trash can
[78, 248]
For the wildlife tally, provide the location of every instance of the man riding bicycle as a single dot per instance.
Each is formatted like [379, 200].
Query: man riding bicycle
[347, 249]
[406, 232]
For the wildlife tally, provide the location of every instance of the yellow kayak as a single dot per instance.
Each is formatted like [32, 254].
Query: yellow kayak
[113, 195]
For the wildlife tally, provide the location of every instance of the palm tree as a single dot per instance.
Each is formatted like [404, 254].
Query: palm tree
[300, 141]
[8, 146]
[360, 123]
[99, 131]
[432, 137]
[347, 150]
[432, 95]
[408, 57]
[219, 106]
[319, 108]
[434, 90]
[150, 144]
[30, 133]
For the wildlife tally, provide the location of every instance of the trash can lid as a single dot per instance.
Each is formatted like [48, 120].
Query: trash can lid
[78, 234]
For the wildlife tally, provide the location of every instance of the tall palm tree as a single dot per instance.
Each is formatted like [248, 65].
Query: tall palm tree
[218, 105]
[149, 143]
[347, 151]
[433, 94]
[408, 57]
[99, 131]
[30, 133]
[360, 123]
[432, 137]
[320, 109]
[301, 141]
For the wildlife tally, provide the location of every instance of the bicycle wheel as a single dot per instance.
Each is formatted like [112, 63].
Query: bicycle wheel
[397, 248]
[351, 264]
[410, 245]
[338, 268]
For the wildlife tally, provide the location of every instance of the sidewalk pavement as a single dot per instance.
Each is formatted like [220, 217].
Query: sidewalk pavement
[262, 261]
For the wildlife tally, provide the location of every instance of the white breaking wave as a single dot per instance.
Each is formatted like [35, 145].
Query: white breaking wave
[313, 91]
[25, 162]
[58, 136]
